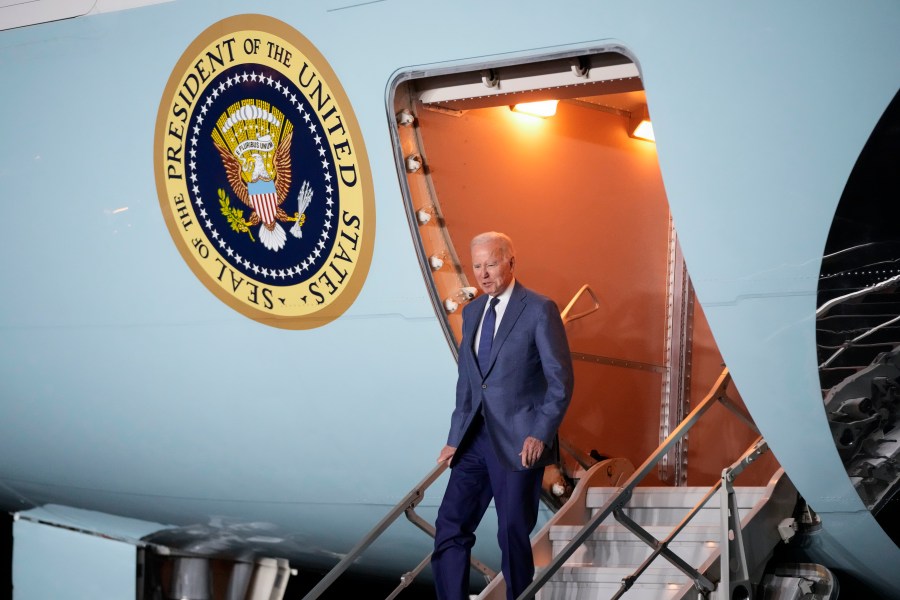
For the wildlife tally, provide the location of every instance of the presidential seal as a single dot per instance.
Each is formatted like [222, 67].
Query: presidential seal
[262, 174]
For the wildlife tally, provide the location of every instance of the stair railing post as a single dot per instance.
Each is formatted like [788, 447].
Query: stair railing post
[734, 579]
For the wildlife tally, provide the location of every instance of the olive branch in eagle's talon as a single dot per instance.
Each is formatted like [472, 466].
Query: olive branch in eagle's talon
[235, 216]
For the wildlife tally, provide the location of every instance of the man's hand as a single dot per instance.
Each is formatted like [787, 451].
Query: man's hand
[446, 454]
[531, 451]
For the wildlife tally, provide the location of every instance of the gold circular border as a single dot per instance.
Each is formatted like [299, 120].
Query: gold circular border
[349, 293]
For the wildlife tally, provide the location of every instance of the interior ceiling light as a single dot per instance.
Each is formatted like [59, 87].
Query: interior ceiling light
[640, 126]
[544, 108]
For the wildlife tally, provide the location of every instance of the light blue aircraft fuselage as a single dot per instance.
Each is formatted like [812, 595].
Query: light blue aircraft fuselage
[133, 400]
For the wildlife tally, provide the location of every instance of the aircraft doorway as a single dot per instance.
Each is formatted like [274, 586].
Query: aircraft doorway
[584, 201]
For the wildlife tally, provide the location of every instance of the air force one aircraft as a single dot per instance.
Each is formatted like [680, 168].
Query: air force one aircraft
[236, 251]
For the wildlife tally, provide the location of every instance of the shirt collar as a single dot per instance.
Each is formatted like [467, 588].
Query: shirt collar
[507, 293]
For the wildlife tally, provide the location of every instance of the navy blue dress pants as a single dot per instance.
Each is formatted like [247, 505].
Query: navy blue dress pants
[476, 477]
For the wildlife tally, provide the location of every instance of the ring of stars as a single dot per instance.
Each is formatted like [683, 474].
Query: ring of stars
[261, 271]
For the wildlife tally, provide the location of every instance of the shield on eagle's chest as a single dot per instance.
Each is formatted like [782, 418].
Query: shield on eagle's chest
[264, 199]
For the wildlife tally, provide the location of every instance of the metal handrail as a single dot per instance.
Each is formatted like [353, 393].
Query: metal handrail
[565, 313]
[620, 499]
[406, 506]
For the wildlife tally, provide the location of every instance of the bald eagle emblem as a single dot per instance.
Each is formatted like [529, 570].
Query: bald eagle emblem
[254, 141]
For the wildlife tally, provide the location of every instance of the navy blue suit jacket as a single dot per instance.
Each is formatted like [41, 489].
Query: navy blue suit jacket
[528, 383]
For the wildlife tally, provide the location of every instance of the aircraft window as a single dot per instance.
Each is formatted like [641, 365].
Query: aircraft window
[858, 323]
[583, 199]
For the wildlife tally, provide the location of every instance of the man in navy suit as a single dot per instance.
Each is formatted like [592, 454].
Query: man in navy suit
[515, 383]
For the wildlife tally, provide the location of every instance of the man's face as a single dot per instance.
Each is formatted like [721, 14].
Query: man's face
[493, 272]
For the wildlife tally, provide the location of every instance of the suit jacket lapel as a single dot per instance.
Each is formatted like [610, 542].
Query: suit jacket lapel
[471, 328]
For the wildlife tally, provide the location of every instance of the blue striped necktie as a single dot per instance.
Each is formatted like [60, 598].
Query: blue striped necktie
[487, 335]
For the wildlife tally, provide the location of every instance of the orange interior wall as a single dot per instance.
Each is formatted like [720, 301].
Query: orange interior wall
[584, 203]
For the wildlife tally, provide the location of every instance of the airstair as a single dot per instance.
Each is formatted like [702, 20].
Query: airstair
[613, 539]
[614, 562]
[660, 543]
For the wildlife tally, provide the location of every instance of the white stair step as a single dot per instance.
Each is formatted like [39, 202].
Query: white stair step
[668, 506]
[615, 546]
[595, 583]
[674, 497]
[601, 591]
[691, 533]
